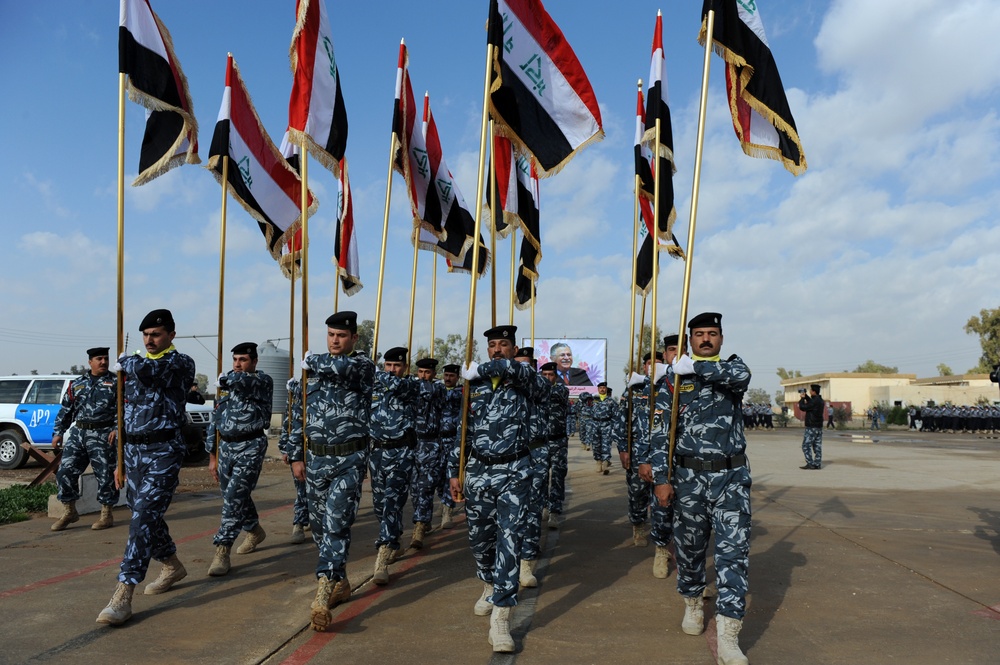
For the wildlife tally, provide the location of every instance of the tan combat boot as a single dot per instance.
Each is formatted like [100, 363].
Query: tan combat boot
[119, 610]
[694, 616]
[728, 633]
[173, 571]
[381, 574]
[341, 592]
[298, 534]
[606, 467]
[483, 606]
[500, 630]
[600, 466]
[220, 564]
[639, 538]
[106, 521]
[69, 516]
[554, 519]
[419, 530]
[320, 608]
[253, 538]
[661, 563]
[447, 522]
[527, 577]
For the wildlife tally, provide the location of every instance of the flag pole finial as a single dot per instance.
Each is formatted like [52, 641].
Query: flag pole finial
[659, 14]
[639, 84]
[402, 41]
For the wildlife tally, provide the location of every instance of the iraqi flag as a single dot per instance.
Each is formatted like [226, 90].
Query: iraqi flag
[761, 117]
[658, 109]
[504, 217]
[316, 112]
[155, 80]
[528, 207]
[540, 96]
[260, 178]
[465, 266]
[291, 254]
[345, 252]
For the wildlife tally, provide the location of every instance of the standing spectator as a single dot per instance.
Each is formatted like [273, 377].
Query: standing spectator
[812, 441]
[829, 416]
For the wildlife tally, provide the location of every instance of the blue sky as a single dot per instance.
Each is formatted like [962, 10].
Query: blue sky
[882, 250]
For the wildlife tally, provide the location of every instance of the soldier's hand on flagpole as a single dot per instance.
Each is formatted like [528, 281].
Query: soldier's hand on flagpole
[118, 364]
[471, 372]
[664, 494]
[213, 466]
[659, 368]
[305, 360]
[683, 365]
[455, 488]
[635, 379]
[290, 384]
[646, 472]
[299, 471]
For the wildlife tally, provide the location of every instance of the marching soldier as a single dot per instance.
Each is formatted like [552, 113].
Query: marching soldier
[497, 477]
[393, 443]
[451, 417]
[242, 415]
[537, 417]
[605, 419]
[155, 387]
[711, 482]
[586, 402]
[300, 509]
[338, 401]
[558, 440]
[91, 401]
[427, 472]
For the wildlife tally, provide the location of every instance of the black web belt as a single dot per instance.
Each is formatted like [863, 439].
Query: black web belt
[240, 438]
[721, 464]
[499, 459]
[155, 436]
[95, 424]
[339, 449]
[408, 440]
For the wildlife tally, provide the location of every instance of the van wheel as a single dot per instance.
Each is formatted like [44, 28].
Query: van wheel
[12, 455]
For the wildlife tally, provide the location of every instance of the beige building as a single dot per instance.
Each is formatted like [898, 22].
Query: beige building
[863, 390]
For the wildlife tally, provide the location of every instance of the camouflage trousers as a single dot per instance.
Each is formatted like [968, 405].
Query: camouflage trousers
[448, 444]
[333, 488]
[83, 447]
[603, 432]
[300, 510]
[428, 470]
[570, 426]
[390, 473]
[532, 528]
[716, 502]
[151, 472]
[496, 497]
[586, 428]
[239, 469]
[812, 446]
[643, 507]
[559, 466]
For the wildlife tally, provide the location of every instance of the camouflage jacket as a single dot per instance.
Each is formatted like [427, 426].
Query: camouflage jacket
[558, 410]
[430, 404]
[538, 408]
[338, 401]
[711, 413]
[642, 442]
[604, 410]
[394, 406]
[242, 406]
[89, 398]
[497, 423]
[451, 412]
[156, 391]
[294, 402]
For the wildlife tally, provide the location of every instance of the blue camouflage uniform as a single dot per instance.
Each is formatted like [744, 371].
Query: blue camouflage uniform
[91, 401]
[429, 472]
[538, 444]
[451, 419]
[155, 394]
[242, 415]
[641, 500]
[338, 402]
[559, 411]
[393, 442]
[604, 421]
[586, 407]
[497, 476]
[710, 434]
[300, 509]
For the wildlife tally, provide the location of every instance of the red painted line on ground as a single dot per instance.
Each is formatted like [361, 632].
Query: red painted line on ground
[16, 591]
[305, 653]
[990, 612]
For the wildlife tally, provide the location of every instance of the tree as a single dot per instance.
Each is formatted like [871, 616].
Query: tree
[448, 351]
[872, 367]
[76, 370]
[757, 396]
[202, 381]
[642, 343]
[366, 336]
[944, 370]
[789, 374]
[987, 326]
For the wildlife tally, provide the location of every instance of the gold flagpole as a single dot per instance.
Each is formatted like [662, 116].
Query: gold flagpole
[434, 290]
[222, 283]
[656, 275]
[291, 336]
[120, 471]
[513, 271]
[642, 324]
[413, 291]
[470, 329]
[336, 290]
[533, 295]
[304, 153]
[689, 251]
[493, 224]
[635, 262]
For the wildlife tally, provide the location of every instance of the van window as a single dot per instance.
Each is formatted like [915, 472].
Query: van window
[45, 391]
[12, 390]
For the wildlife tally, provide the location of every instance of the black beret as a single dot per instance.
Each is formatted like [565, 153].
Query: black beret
[602, 384]
[670, 340]
[586, 396]
[343, 321]
[501, 332]
[547, 367]
[157, 318]
[98, 351]
[452, 369]
[427, 363]
[525, 352]
[706, 320]
[396, 354]
[245, 349]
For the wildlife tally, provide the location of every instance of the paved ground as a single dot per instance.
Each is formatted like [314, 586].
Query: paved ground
[889, 554]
